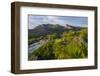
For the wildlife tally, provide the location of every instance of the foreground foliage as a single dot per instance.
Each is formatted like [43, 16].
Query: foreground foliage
[68, 45]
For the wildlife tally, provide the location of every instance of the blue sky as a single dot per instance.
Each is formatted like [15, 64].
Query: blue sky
[35, 20]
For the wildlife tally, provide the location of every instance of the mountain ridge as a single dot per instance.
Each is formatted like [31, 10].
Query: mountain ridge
[44, 29]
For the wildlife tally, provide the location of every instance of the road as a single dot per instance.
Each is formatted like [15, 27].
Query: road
[35, 46]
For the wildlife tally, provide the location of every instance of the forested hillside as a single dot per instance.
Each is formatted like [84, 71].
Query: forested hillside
[58, 42]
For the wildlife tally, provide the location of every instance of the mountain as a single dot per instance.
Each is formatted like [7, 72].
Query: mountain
[72, 27]
[44, 29]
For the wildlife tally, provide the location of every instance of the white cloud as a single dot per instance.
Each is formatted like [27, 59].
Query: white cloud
[38, 20]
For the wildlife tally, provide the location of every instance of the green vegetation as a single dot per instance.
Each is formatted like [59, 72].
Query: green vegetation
[68, 45]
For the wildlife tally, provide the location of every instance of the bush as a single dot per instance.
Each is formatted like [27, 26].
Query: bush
[70, 45]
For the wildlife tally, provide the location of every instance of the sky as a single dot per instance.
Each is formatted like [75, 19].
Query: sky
[35, 20]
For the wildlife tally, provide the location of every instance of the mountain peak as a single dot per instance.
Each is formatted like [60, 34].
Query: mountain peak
[44, 29]
[69, 26]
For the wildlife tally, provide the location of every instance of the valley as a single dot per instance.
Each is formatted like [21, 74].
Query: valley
[49, 41]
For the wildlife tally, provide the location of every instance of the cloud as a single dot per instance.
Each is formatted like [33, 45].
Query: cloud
[35, 20]
[56, 20]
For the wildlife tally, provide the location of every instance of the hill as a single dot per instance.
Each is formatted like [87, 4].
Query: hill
[45, 29]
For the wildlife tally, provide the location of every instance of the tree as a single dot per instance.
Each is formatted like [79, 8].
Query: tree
[84, 34]
[51, 37]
